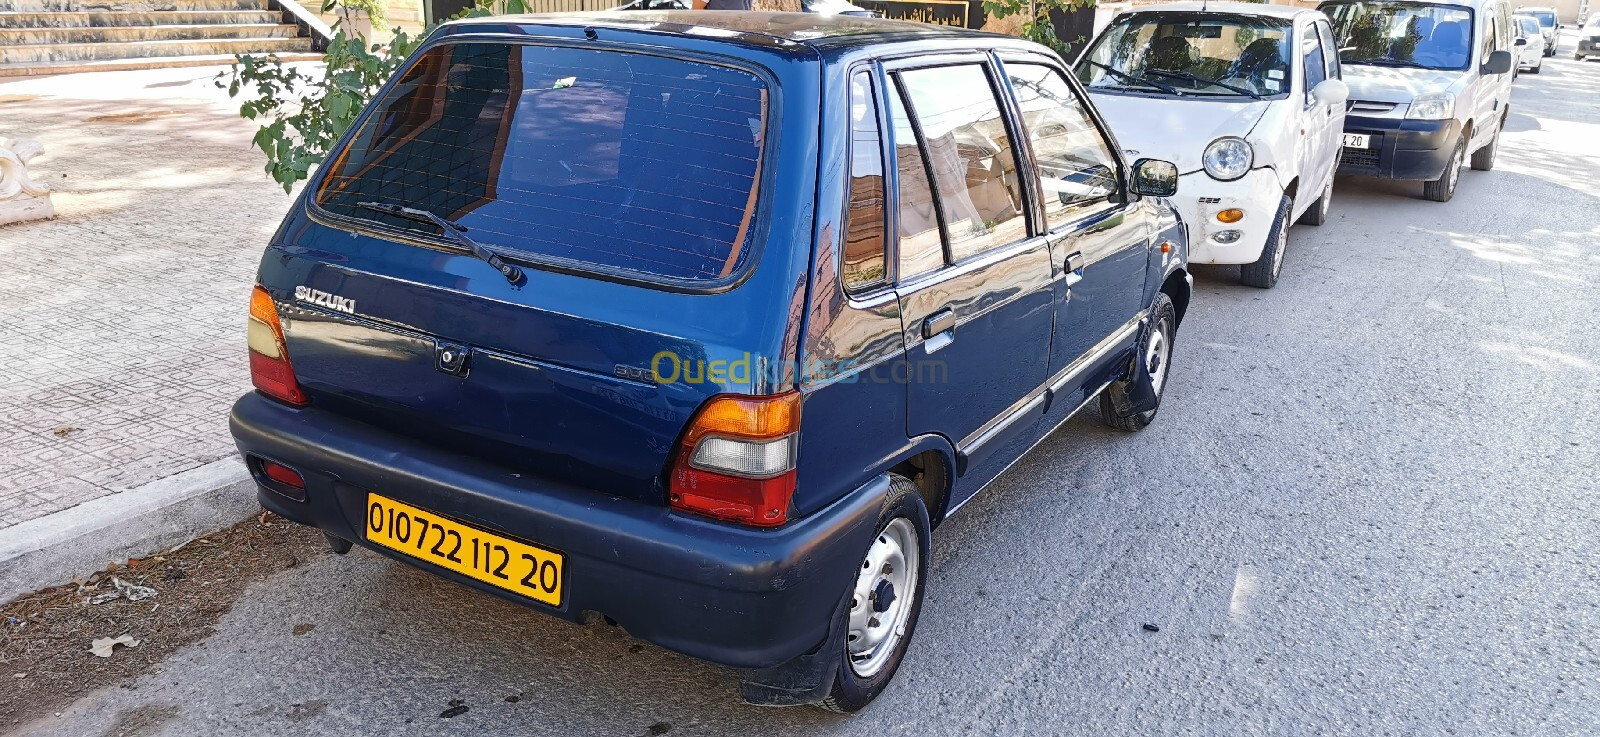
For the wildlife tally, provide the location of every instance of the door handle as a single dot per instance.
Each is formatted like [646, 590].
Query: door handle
[939, 322]
[1073, 267]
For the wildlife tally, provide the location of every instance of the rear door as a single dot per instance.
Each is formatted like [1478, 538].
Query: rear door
[974, 284]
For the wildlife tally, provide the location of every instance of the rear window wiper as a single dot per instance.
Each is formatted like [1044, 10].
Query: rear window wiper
[1192, 77]
[1136, 79]
[453, 231]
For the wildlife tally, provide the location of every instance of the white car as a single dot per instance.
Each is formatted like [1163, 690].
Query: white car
[1529, 43]
[1247, 100]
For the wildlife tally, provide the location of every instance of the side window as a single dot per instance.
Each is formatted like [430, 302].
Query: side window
[1488, 44]
[1330, 50]
[969, 153]
[921, 246]
[1077, 171]
[1315, 63]
[864, 213]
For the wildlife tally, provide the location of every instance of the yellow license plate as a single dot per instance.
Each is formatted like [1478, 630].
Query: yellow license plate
[531, 571]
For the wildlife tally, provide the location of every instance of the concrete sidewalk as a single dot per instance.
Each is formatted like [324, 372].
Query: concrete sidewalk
[122, 321]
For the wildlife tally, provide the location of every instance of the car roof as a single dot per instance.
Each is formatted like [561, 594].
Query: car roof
[751, 28]
[1270, 11]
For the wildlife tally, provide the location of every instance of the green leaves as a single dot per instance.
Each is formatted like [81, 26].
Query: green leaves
[304, 115]
[1037, 29]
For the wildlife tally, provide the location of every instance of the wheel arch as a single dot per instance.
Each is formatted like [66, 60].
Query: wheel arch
[932, 470]
[1177, 288]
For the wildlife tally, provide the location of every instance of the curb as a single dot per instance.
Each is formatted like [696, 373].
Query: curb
[52, 549]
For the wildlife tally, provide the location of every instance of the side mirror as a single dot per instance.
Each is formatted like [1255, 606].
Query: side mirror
[1331, 92]
[1155, 178]
[1520, 42]
[1499, 62]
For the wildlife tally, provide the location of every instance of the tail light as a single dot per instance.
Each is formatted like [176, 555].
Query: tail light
[736, 461]
[269, 359]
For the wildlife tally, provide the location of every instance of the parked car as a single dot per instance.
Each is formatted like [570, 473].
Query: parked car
[1549, 26]
[1430, 85]
[1529, 43]
[1246, 98]
[700, 322]
[1588, 39]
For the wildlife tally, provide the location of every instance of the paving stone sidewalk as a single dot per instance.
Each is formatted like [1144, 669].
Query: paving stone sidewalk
[122, 321]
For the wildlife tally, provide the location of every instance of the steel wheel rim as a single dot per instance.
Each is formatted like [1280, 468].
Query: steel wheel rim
[881, 602]
[1455, 167]
[1279, 249]
[1155, 356]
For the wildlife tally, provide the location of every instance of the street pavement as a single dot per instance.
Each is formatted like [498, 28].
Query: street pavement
[120, 320]
[1368, 507]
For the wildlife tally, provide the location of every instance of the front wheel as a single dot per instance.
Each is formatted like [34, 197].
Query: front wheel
[1156, 355]
[1537, 67]
[1263, 274]
[1443, 188]
[885, 599]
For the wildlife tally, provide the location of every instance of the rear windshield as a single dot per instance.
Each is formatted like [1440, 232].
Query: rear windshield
[597, 159]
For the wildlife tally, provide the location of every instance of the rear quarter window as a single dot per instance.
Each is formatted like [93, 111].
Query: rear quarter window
[595, 159]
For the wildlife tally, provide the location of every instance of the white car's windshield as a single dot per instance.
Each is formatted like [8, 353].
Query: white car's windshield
[1546, 18]
[1191, 54]
[1402, 34]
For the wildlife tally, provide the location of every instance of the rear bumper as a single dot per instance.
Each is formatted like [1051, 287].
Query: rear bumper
[737, 596]
[1587, 47]
[1401, 149]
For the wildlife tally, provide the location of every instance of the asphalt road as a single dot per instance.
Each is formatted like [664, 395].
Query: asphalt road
[1368, 507]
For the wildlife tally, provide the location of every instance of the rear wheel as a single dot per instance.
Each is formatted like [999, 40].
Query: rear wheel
[1317, 214]
[1483, 158]
[1264, 272]
[885, 599]
[1443, 188]
[1157, 358]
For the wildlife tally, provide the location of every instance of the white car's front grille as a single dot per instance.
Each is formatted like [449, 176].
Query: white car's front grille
[1368, 107]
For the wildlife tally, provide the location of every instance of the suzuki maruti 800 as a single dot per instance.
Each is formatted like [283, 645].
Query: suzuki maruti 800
[700, 322]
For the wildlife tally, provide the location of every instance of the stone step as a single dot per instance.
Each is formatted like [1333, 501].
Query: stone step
[119, 18]
[45, 53]
[27, 36]
[118, 65]
[75, 6]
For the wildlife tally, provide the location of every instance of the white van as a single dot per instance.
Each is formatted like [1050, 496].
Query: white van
[1430, 85]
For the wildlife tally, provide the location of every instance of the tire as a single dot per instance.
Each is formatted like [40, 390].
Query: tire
[1483, 158]
[1165, 331]
[1317, 214]
[1264, 272]
[1443, 188]
[1537, 67]
[904, 513]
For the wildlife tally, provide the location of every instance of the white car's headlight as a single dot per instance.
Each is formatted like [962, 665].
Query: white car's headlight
[1434, 106]
[1228, 158]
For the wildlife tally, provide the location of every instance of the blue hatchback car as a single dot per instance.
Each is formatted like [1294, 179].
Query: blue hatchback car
[698, 323]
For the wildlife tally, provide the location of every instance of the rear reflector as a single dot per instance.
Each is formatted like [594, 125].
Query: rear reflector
[737, 460]
[269, 359]
[282, 474]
